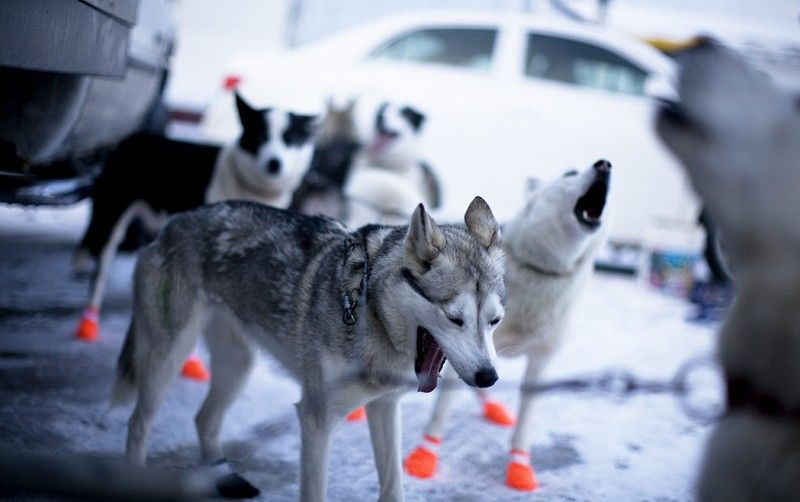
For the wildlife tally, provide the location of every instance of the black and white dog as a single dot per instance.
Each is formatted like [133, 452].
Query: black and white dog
[150, 177]
[367, 165]
[389, 177]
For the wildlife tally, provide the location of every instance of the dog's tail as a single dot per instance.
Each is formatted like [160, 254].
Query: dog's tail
[125, 386]
[138, 210]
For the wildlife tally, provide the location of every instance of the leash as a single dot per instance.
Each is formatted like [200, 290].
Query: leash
[616, 384]
[611, 383]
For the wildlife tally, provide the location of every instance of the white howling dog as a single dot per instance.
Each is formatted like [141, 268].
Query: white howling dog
[388, 177]
[550, 247]
[738, 136]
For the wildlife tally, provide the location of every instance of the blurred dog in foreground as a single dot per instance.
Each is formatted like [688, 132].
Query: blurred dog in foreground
[150, 177]
[353, 316]
[738, 136]
[550, 248]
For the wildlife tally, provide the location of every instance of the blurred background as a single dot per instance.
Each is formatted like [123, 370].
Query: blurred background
[511, 89]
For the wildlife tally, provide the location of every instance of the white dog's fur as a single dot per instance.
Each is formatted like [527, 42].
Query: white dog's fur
[550, 257]
[739, 137]
[388, 179]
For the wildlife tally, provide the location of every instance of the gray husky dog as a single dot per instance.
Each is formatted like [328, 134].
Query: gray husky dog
[738, 135]
[353, 316]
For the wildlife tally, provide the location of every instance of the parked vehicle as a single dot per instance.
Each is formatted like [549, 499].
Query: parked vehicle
[507, 96]
[76, 77]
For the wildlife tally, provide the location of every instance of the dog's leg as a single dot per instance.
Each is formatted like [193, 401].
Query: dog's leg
[160, 353]
[315, 436]
[384, 429]
[231, 361]
[89, 323]
[520, 474]
[422, 462]
[161, 371]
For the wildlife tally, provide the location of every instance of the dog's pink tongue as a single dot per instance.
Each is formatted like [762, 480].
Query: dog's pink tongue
[428, 375]
[380, 143]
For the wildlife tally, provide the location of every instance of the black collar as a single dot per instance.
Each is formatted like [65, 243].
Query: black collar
[543, 271]
[743, 394]
[354, 301]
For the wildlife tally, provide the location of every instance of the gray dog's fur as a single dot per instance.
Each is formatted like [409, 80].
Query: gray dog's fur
[738, 135]
[247, 276]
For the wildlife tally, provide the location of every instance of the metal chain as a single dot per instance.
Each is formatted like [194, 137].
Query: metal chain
[616, 383]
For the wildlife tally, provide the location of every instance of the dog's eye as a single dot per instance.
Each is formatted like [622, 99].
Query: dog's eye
[571, 172]
[455, 320]
[494, 321]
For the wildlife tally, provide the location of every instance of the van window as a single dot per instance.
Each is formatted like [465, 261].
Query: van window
[469, 48]
[581, 64]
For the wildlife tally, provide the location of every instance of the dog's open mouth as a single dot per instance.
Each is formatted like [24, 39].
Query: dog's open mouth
[382, 141]
[429, 362]
[589, 208]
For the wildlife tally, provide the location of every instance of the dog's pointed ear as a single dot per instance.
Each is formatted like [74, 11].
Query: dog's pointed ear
[308, 123]
[248, 115]
[481, 223]
[414, 117]
[532, 185]
[424, 240]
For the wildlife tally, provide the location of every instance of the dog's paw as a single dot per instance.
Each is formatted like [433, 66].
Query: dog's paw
[194, 369]
[357, 415]
[423, 460]
[496, 413]
[520, 475]
[89, 325]
[233, 486]
[229, 484]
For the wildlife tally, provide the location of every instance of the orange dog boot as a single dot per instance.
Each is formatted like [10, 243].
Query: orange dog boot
[357, 415]
[422, 461]
[496, 413]
[88, 325]
[193, 369]
[520, 475]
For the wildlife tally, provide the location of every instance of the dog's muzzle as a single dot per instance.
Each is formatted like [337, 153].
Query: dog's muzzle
[589, 208]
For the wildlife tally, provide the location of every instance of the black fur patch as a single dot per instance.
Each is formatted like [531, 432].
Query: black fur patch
[380, 122]
[233, 486]
[171, 176]
[299, 130]
[255, 127]
[408, 276]
[414, 117]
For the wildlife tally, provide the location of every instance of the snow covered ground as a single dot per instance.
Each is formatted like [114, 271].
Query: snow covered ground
[53, 393]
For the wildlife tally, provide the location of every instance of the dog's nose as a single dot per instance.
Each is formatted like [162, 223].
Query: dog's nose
[485, 377]
[602, 166]
[274, 166]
